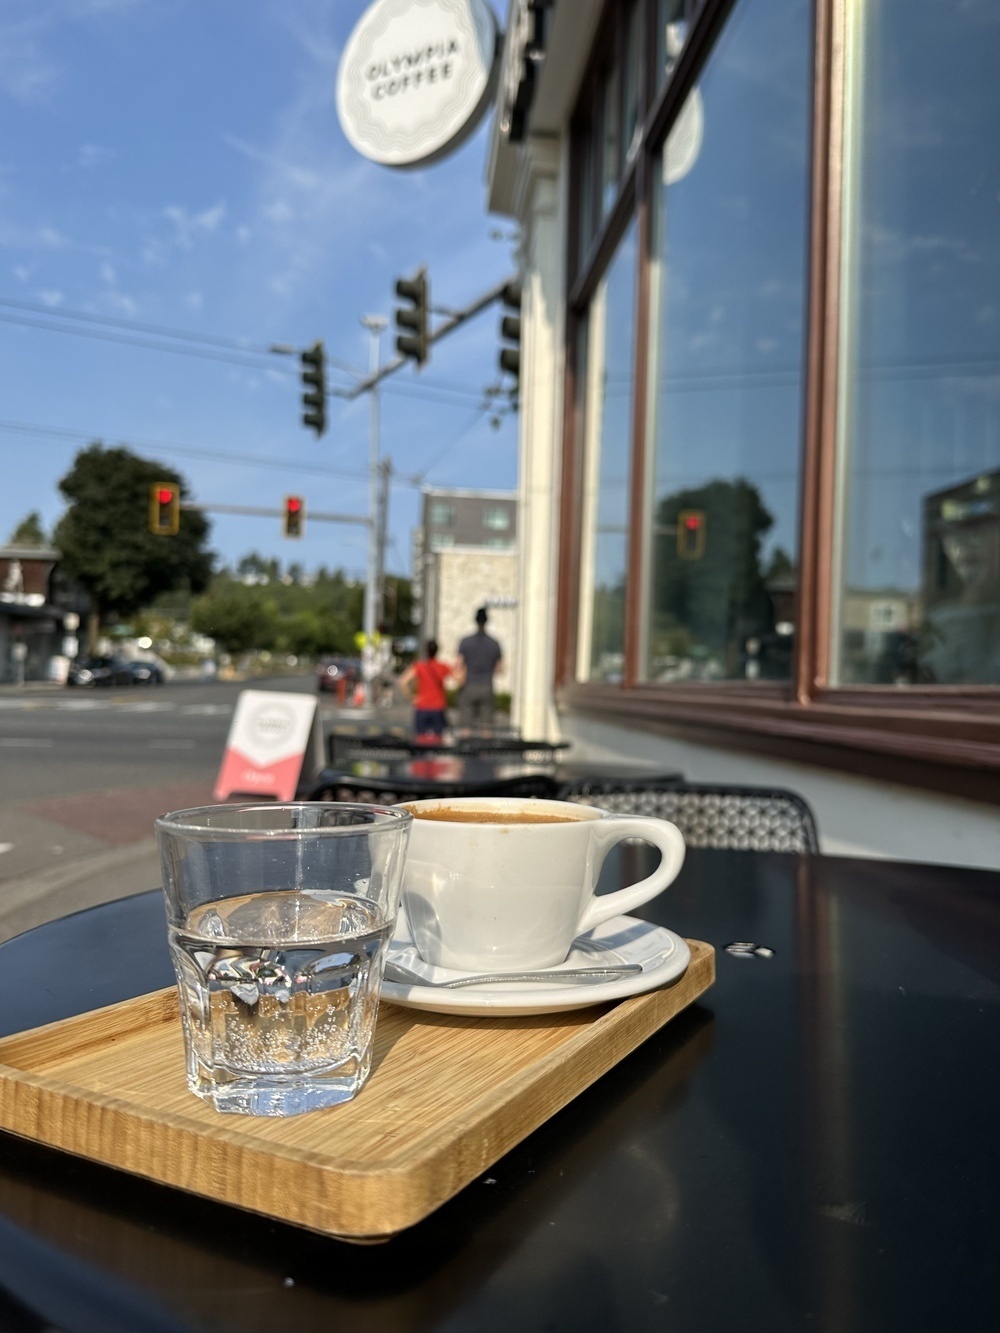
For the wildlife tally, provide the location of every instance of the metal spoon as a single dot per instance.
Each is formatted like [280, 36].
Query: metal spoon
[396, 972]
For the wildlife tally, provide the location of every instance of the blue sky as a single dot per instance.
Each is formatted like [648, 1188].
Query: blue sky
[179, 163]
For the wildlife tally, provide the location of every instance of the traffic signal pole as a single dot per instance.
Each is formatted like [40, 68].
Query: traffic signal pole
[377, 374]
[375, 324]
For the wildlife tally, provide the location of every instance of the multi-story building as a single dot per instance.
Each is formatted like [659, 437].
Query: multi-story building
[464, 557]
[760, 398]
[31, 629]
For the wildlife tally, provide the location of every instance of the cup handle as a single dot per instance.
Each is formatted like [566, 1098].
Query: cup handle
[667, 837]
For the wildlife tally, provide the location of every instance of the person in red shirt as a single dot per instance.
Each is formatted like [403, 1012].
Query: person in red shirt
[424, 682]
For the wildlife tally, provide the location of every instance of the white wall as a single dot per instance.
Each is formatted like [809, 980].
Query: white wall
[856, 816]
[468, 577]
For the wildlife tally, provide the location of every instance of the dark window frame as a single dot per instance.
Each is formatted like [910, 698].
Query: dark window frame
[940, 737]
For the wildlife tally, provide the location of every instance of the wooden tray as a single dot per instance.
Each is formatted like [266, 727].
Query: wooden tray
[446, 1098]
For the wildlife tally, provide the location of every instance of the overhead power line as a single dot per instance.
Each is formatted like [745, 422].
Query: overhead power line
[244, 345]
[412, 480]
[225, 350]
[188, 451]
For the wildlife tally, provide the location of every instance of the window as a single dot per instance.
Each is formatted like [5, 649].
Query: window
[633, 77]
[781, 482]
[442, 539]
[671, 33]
[726, 352]
[607, 412]
[496, 517]
[442, 514]
[501, 543]
[918, 594]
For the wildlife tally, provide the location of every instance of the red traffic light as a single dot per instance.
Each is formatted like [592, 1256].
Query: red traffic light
[295, 515]
[692, 532]
[164, 509]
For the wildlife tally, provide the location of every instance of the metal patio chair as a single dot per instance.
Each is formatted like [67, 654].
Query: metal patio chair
[758, 819]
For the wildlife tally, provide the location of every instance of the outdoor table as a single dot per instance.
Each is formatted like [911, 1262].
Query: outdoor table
[344, 748]
[438, 775]
[812, 1145]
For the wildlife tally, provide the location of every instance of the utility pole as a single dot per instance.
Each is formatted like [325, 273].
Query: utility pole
[382, 526]
[376, 325]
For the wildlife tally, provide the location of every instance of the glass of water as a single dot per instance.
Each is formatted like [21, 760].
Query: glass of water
[279, 917]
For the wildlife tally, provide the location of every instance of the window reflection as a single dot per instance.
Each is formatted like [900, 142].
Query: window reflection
[671, 34]
[607, 418]
[727, 358]
[919, 544]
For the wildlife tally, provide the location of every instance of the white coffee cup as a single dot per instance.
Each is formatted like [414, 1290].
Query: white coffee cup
[505, 896]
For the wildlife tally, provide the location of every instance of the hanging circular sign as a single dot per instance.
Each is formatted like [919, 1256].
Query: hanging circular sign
[416, 77]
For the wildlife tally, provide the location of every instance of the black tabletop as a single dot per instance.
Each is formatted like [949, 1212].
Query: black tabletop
[441, 774]
[812, 1146]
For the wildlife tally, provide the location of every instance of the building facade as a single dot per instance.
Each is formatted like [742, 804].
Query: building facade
[31, 629]
[759, 487]
[465, 556]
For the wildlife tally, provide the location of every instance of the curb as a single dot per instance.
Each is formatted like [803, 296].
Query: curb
[39, 898]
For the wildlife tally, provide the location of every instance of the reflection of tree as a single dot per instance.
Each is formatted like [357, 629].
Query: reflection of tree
[714, 603]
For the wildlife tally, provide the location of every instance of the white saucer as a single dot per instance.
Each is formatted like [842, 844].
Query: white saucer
[625, 939]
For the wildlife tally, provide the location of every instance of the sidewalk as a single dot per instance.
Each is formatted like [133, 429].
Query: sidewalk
[109, 850]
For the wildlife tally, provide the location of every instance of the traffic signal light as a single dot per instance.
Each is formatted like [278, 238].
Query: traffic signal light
[510, 331]
[295, 516]
[691, 533]
[414, 341]
[314, 388]
[164, 508]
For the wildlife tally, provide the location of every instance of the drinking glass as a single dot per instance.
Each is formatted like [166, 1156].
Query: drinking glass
[279, 917]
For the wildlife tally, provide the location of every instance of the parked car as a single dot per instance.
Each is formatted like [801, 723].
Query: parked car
[338, 674]
[146, 673]
[94, 671]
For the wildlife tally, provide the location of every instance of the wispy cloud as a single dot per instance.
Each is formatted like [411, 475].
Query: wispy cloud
[188, 226]
[112, 298]
[27, 74]
[94, 155]
[313, 196]
[51, 296]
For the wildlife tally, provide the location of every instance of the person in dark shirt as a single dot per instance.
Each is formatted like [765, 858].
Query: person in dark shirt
[479, 659]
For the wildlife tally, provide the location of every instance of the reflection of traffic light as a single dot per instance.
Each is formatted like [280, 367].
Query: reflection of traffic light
[414, 342]
[510, 331]
[314, 388]
[295, 515]
[164, 508]
[691, 534]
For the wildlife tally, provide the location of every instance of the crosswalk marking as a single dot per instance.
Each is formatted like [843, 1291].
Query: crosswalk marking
[119, 705]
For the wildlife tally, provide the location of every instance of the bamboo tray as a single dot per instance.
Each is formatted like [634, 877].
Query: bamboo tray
[446, 1098]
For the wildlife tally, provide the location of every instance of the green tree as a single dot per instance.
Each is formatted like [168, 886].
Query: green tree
[240, 618]
[105, 540]
[719, 599]
[29, 532]
[305, 618]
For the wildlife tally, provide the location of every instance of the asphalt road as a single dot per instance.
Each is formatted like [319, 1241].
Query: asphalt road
[83, 773]
[68, 742]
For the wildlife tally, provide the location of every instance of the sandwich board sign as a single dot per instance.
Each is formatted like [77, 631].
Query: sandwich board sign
[273, 736]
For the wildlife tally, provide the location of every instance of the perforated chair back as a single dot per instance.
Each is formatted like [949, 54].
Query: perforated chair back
[758, 819]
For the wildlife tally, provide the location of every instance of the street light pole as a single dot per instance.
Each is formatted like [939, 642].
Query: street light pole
[376, 325]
